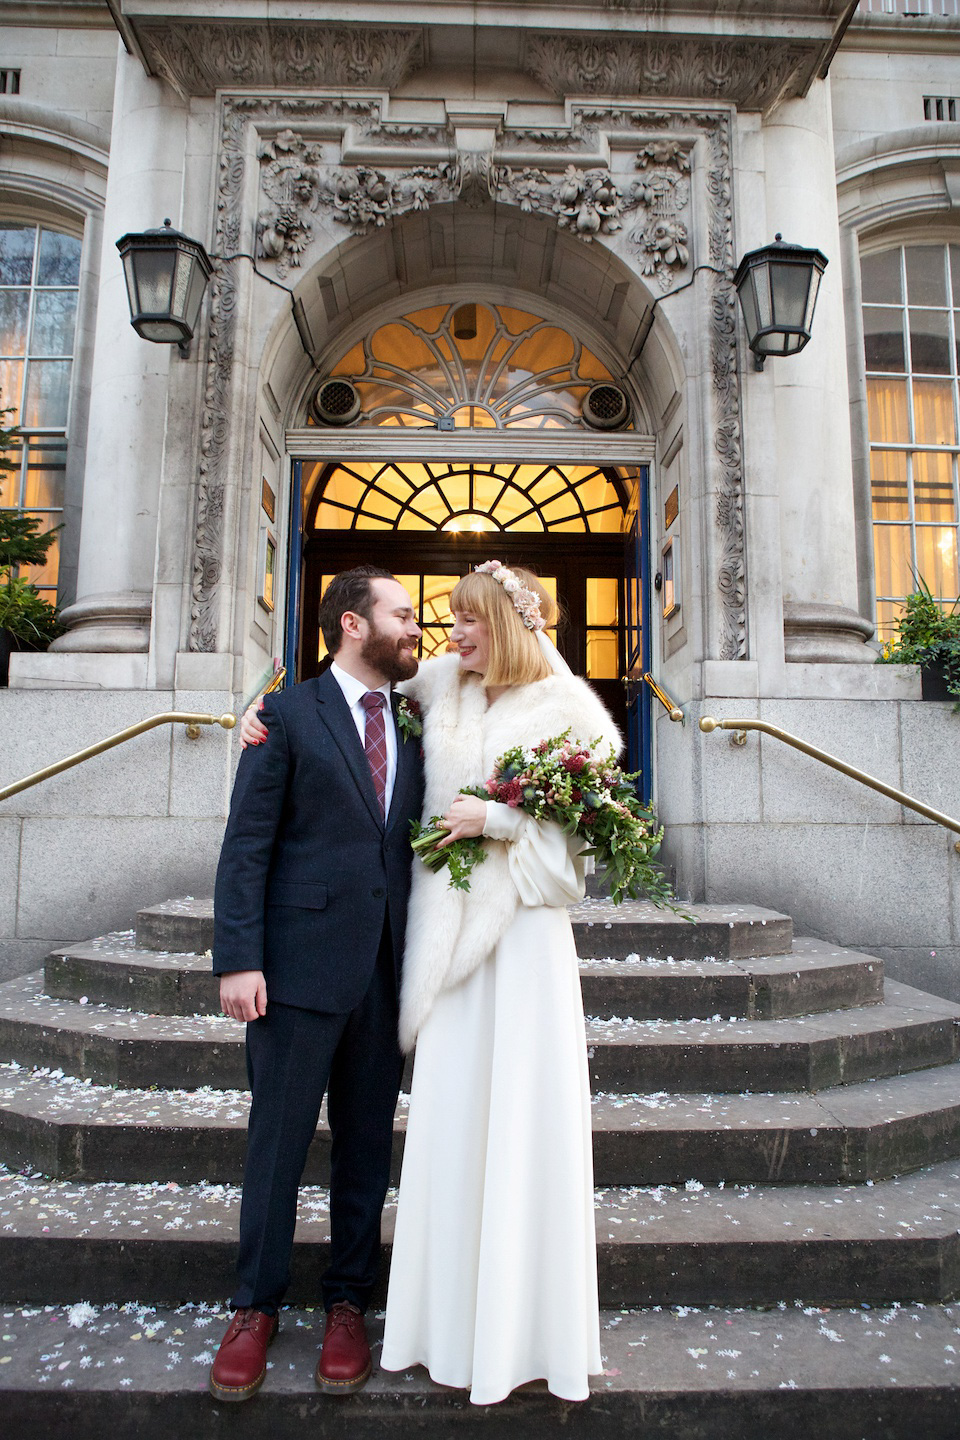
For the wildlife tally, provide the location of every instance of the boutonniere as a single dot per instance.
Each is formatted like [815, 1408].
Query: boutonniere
[409, 718]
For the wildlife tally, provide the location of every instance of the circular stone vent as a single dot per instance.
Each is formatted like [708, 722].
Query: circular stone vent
[336, 402]
[605, 407]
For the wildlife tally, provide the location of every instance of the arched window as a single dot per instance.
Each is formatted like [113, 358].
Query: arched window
[474, 366]
[911, 325]
[39, 280]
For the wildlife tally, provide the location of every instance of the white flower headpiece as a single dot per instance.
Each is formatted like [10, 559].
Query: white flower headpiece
[525, 602]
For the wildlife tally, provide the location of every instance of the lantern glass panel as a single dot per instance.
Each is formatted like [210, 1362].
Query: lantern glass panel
[790, 285]
[748, 301]
[165, 332]
[181, 282]
[198, 283]
[760, 280]
[816, 276]
[154, 271]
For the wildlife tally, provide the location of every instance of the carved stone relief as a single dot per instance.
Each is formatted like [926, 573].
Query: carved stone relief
[755, 75]
[299, 178]
[298, 182]
[199, 58]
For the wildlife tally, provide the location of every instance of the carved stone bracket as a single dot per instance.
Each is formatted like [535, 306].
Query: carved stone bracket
[199, 58]
[753, 74]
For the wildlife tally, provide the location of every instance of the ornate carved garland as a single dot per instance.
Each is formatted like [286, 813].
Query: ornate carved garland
[297, 181]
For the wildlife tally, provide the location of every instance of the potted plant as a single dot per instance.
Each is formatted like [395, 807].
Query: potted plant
[27, 620]
[928, 635]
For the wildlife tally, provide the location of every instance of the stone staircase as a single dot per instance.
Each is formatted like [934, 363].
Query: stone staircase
[776, 1134]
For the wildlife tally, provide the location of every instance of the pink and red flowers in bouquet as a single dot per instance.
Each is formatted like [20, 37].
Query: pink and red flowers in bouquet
[560, 782]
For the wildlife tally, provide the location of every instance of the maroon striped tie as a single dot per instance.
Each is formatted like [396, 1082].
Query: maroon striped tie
[375, 744]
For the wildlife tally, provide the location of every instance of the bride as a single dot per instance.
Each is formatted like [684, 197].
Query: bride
[493, 1277]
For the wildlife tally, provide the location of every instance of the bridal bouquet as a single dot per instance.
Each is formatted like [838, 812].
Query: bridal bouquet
[586, 794]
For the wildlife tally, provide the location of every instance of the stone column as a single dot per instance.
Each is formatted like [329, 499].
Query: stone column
[821, 619]
[128, 399]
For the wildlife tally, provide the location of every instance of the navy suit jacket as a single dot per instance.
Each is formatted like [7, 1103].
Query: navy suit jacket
[308, 872]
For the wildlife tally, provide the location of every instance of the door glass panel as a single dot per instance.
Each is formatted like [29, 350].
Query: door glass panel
[602, 656]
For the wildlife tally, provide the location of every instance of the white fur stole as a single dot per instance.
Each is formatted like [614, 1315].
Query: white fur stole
[450, 932]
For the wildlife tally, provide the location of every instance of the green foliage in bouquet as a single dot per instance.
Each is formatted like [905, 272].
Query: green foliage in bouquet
[587, 795]
[927, 635]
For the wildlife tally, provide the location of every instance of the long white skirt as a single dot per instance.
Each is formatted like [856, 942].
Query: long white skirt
[493, 1280]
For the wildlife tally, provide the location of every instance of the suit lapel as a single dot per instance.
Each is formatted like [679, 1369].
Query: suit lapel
[335, 714]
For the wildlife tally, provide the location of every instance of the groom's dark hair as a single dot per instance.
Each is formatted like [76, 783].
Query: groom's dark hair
[350, 590]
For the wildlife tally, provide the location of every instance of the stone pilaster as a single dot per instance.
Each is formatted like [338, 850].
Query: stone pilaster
[811, 418]
[118, 537]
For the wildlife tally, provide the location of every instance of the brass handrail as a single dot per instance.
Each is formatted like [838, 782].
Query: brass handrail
[671, 706]
[169, 717]
[708, 724]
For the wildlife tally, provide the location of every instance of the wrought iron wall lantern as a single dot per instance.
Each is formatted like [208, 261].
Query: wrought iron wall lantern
[166, 274]
[778, 287]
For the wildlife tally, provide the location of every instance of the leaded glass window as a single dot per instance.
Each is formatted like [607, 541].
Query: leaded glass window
[911, 325]
[465, 496]
[475, 366]
[39, 280]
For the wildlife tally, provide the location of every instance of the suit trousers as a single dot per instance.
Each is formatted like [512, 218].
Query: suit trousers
[293, 1056]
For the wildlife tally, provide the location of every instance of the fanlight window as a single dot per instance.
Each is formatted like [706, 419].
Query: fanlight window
[472, 366]
[465, 497]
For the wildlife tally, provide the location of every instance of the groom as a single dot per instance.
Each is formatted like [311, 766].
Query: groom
[310, 910]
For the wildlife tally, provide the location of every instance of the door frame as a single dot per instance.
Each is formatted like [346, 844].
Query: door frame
[425, 444]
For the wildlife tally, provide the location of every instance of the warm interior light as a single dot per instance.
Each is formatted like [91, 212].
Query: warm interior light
[465, 322]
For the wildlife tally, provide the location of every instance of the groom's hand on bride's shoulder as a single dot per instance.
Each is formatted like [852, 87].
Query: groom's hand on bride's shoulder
[243, 994]
[252, 729]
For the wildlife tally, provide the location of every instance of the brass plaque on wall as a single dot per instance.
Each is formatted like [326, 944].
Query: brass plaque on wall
[268, 501]
[671, 508]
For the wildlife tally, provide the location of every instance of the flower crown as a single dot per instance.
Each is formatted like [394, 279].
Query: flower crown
[525, 602]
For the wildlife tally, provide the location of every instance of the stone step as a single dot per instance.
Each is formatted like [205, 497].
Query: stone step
[894, 1240]
[909, 1031]
[73, 1129]
[723, 932]
[80, 1372]
[112, 970]
[182, 924]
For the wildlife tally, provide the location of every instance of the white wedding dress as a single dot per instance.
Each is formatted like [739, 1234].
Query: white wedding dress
[493, 1280]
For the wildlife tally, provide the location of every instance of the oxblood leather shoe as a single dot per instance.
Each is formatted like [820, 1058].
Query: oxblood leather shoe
[344, 1364]
[241, 1362]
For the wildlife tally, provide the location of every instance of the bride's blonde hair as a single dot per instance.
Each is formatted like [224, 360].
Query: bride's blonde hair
[515, 656]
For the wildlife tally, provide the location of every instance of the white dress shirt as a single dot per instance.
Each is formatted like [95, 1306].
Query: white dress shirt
[353, 692]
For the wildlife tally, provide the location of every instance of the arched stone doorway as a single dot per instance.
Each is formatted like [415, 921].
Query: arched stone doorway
[502, 380]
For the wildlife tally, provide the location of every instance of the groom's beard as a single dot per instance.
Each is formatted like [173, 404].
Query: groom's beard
[390, 658]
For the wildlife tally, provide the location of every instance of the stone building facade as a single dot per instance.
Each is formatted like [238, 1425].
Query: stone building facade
[472, 239]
